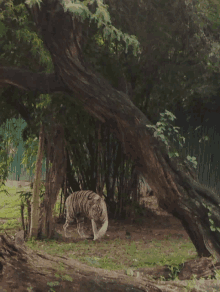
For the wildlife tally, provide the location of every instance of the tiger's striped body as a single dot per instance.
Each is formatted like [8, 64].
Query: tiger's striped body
[91, 205]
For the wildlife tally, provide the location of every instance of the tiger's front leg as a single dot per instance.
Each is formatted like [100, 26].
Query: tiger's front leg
[94, 228]
[80, 225]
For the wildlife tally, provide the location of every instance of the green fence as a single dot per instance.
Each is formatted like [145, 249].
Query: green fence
[11, 134]
[206, 152]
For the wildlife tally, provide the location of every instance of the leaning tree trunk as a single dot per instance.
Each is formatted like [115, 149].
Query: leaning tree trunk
[176, 192]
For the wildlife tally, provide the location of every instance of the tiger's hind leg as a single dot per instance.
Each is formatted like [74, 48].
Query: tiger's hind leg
[80, 225]
[65, 227]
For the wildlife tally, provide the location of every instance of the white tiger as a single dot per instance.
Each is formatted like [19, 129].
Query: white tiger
[91, 205]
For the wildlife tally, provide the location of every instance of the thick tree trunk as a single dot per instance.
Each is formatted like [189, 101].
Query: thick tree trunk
[56, 167]
[176, 192]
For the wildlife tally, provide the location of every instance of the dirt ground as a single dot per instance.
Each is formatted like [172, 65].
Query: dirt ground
[156, 227]
[160, 225]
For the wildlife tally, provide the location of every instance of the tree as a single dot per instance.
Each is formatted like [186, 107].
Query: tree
[37, 183]
[55, 173]
[176, 192]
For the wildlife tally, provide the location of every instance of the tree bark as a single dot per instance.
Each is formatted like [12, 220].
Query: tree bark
[55, 170]
[36, 188]
[176, 192]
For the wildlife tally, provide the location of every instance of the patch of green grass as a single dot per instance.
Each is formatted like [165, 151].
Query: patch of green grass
[10, 208]
[11, 224]
[121, 254]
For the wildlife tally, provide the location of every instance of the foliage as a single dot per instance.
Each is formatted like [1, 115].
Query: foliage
[213, 226]
[30, 154]
[165, 131]
[80, 9]
[21, 44]
[26, 195]
[5, 162]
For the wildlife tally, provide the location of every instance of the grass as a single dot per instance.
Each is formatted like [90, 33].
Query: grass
[120, 254]
[117, 254]
[10, 210]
